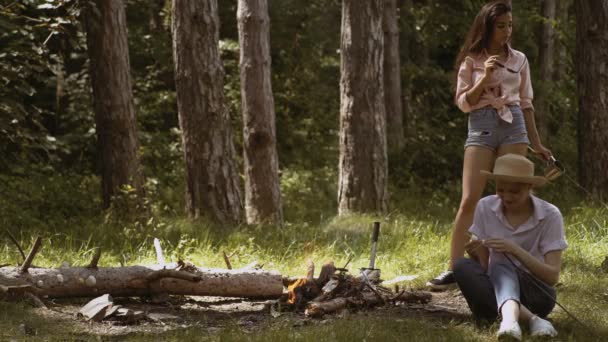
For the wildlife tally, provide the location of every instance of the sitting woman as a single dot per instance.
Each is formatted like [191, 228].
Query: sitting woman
[516, 252]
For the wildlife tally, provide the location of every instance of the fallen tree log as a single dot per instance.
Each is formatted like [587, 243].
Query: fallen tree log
[140, 281]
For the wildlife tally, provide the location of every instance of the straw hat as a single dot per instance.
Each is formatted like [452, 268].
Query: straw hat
[515, 168]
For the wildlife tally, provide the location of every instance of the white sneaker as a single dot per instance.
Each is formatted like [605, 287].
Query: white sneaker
[509, 331]
[541, 327]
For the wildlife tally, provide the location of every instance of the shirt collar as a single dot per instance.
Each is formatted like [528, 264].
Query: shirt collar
[538, 214]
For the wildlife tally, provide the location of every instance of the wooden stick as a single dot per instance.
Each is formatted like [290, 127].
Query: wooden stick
[95, 259]
[172, 274]
[16, 243]
[310, 272]
[316, 309]
[416, 296]
[160, 258]
[30, 257]
[227, 260]
[327, 271]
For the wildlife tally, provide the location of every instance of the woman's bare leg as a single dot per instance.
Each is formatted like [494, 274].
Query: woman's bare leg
[521, 149]
[476, 158]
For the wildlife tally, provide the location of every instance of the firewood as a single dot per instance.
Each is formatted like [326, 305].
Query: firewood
[413, 296]
[327, 271]
[142, 281]
[318, 309]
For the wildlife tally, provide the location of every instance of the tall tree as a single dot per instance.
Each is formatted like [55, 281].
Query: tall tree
[262, 190]
[561, 50]
[592, 84]
[392, 77]
[363, 160]
[116, 126]
[212, 188]
[545, 64]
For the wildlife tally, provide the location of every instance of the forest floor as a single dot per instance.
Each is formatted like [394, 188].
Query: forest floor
[212, 314]
[407, 246]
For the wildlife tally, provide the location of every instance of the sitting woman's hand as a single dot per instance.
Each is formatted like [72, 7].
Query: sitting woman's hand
[472, 249]
[502, 245]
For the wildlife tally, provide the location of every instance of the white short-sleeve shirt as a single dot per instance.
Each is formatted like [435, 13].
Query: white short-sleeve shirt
[541, 233]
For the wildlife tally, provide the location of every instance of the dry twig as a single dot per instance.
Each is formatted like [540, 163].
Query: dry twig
[30, 257]
[16, 243]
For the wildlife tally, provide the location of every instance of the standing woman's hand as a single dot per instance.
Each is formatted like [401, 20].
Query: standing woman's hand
[490, 66]
[542, 151]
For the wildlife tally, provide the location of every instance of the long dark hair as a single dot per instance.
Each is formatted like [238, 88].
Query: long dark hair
[481, 31]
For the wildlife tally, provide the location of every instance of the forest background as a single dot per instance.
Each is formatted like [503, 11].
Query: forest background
[48, 133]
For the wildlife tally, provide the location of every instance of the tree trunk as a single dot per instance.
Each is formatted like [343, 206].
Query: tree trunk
[262, 190]
[392, 78]
[116, 126]
[140, 281]
[560, 49]
[592, 84]
[212, 188]
[545, 64]
[363, 160]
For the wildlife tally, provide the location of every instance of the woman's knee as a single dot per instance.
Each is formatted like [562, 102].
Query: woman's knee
[463, 267]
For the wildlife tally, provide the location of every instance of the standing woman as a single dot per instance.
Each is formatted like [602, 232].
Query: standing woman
[494, 87]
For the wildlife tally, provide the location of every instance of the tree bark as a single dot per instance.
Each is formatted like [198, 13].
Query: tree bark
[140, 281]
[592, 84]
[363, 159]
[116, 126]
[545, 64]
[262, 190]
[212, 188]
[560, 50]
[392, 78]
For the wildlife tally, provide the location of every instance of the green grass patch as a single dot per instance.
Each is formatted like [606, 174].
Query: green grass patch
[407, 245]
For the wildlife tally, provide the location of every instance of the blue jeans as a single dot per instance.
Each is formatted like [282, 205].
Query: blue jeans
[485, 293]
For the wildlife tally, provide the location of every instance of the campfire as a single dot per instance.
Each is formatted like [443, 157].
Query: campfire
[336, 289]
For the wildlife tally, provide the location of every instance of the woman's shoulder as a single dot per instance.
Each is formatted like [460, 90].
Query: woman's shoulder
[518, 55]
[549, 209]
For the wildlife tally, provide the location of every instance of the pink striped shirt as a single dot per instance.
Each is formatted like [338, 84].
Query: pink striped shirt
[510, 85]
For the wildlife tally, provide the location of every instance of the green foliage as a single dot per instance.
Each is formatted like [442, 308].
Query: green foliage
[305, 43]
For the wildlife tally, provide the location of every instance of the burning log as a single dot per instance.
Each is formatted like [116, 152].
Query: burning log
[337, 290]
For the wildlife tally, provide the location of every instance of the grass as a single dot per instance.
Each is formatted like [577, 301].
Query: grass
[408, 245]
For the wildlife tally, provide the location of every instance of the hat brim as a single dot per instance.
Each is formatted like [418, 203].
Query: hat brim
[535, 181]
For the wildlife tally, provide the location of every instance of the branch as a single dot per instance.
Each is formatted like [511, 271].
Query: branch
[172, 274]
[95, 259]
[30, 257]
[16, 243]
[227, 260]
[160, 258]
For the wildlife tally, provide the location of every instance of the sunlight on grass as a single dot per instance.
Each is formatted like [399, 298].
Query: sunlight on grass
[407, 246]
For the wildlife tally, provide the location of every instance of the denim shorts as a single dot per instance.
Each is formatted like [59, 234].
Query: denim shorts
[488, 130]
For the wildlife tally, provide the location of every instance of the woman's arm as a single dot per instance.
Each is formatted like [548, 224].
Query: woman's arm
[526, 94]
[547, 271]
[533, 134]
[475, 92]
